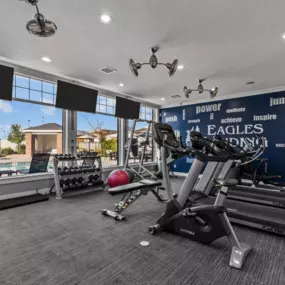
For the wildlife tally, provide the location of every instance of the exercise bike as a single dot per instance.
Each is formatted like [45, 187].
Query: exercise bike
[184, 215]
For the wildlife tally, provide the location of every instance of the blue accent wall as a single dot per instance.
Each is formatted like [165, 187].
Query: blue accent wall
[234, 119]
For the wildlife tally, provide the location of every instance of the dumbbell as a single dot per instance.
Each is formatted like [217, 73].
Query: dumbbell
[59, 156]
[75, 182]
[78, 169]
[94, 178]
[73, 170]
[64, 184]
[64, 171]
[82, 183]
[92, 169]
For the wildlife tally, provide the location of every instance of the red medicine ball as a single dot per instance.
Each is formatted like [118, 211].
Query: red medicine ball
[117, 178]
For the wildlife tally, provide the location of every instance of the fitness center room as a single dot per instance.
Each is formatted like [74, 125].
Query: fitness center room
[142, 142]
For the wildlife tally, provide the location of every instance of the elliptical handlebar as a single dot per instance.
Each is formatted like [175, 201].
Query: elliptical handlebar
[252, 154]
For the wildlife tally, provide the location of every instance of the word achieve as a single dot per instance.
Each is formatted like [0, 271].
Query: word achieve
[231, 120]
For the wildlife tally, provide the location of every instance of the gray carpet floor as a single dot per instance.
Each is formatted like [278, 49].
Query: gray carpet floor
[70, 242]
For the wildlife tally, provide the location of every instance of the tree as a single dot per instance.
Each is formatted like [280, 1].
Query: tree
[97, 129]
[16, 136]
[110, 144]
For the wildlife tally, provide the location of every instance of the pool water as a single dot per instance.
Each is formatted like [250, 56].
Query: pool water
[21, 166]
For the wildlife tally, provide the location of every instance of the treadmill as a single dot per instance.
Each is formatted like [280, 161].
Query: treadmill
[240, 211]
[268, 195]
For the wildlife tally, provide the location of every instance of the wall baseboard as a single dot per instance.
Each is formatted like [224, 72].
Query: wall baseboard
[180, 174]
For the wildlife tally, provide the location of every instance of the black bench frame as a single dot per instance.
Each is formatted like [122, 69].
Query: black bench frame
[131, 193]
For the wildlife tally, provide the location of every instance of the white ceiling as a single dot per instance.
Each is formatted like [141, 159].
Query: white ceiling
[229, 42]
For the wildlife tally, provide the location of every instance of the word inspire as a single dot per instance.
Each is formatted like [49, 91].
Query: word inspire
[277, 101]
[171, 119]
[208, 108]
[267, 117]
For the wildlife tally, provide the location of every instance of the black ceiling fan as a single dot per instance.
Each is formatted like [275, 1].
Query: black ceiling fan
[153, 62]
[200, 89]
[40, 26]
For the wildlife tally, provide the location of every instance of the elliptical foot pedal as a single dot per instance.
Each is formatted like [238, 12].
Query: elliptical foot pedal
[239, 255]
[153, 229]
[113, 215]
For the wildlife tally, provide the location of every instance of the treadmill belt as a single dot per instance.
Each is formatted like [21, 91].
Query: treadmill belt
[259, 216]
[22, 201]
[271, 198]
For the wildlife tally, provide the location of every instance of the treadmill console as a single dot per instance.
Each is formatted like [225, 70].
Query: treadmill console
[163, 133]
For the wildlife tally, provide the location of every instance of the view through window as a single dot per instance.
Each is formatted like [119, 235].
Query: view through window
[30, 128]
[27, 129]
[98, 132]
[140, 136]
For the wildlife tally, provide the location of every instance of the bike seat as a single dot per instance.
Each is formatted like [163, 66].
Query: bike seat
[227, 182]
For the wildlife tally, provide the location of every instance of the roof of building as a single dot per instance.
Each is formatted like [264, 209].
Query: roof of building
[45, 127]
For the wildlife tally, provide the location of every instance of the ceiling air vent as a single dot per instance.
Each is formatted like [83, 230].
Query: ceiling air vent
[108, 70]
[175, 96]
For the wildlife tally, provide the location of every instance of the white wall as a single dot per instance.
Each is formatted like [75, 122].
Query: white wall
[45, 142]
[6, 143]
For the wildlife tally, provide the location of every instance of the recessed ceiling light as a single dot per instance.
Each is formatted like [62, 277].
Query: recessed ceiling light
[180, 66]
[250, 83]
[105, 19]
[121, 84]
[46, 59]
[162, 99]
[283, 36]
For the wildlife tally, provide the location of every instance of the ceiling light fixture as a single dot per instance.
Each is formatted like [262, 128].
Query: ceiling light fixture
[283, 36]
[162, 99]
[105, 19]
[46, 59]
[121, 84]
[180, 67]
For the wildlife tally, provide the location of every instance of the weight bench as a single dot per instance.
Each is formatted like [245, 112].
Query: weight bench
[131, 192]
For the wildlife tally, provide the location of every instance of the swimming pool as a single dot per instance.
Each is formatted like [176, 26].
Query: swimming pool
[20, 166]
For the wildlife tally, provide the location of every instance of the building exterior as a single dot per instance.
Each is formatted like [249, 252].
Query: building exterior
[43, 138]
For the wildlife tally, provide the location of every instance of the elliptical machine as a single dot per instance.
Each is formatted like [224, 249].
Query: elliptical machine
[203, 223]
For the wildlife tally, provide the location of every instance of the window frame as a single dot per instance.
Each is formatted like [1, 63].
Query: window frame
[29, 89]
[145, 112]
[106, 106]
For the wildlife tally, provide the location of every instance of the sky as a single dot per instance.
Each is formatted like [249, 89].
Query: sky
[16, 112]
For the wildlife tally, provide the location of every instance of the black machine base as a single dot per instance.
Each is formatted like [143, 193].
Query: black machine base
[205, 226]
[22, 201]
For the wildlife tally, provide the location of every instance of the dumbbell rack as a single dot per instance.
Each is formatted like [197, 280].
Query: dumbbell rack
[69, 163]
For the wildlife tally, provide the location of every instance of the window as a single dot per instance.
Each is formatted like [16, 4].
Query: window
[98, 132]
[106, 105]
[36, 90]
[26, 129]
[146, 113]
[140, 136]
